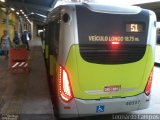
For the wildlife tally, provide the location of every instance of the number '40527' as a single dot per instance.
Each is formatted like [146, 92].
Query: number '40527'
[133, 102]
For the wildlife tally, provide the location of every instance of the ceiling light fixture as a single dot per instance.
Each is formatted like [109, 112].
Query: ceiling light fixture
[17, 13]
[41, 15]
[12, 9]
[2, 0]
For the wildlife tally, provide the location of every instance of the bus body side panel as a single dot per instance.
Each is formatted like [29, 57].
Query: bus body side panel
[151, 40]
[67, 39]
[67, 34]
[157, 54]
[46, 53]
[73, 110]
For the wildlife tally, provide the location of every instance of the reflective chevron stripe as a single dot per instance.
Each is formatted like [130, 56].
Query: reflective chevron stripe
[16, 64]
[20, 64]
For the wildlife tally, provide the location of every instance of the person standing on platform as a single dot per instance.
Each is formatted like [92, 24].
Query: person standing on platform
[25, 39]
[16, 38]
[5, 43]
[29, 35]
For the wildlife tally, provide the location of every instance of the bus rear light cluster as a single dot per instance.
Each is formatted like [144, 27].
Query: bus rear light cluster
[64, 85]
[149, 83]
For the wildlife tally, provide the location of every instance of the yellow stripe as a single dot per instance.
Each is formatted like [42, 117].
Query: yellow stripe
[52, 65]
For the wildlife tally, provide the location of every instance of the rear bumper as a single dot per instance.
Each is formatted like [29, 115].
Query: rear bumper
[81, 108]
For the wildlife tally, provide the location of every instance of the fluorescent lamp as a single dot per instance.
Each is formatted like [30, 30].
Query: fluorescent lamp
[2, 0]
[41, 15]
[12, 9]
[17, 13]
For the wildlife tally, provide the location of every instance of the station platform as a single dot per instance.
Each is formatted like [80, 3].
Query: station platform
[26, 94]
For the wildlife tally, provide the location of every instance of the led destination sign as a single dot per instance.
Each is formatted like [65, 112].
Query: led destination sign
[135, 27]
[95, 38]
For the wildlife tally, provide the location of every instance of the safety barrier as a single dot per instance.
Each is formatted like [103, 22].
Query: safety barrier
[18, 60]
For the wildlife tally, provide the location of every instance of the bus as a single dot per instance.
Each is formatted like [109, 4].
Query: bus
[100, 58]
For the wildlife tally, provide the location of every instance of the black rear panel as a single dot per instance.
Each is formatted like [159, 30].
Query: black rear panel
[97, 31]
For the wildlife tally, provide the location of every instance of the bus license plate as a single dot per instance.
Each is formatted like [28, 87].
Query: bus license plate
[112, 88]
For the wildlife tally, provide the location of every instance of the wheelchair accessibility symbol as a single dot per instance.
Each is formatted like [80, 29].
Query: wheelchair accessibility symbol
[100, 108]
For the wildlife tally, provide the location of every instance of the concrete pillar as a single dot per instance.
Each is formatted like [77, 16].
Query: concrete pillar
[35, 29]
[7, 20]
[7, 23]
[19, 25]
[32, 31]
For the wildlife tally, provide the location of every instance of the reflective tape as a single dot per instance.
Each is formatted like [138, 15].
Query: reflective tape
[22, 64]
[26, 65]
[15, 64]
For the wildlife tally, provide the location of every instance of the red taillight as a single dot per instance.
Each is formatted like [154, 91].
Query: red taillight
[149, 84]
[115, 45]
[64, 85]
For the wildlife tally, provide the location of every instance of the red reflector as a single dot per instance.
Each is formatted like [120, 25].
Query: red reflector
[64, 85]
[115, 43]
[149, 83]
[67, 107]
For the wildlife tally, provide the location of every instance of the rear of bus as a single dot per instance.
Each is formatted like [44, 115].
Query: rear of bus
[108, 68]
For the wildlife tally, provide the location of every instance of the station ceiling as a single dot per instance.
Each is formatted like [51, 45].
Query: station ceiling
[35, 9]
[155, 6]
[41, 8]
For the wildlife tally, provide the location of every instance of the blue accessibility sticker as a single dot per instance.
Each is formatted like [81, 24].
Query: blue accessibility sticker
[100, 108]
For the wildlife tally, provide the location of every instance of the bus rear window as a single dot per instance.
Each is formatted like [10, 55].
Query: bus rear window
[111, 38]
